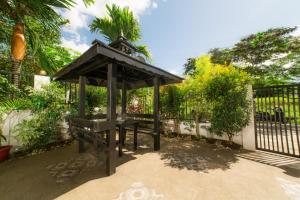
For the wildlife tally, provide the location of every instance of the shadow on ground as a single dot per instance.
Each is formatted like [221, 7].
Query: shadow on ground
[290, 165]
[197, 155]
[51, 174]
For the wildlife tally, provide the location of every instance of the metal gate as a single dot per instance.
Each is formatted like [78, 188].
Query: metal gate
[277, 119]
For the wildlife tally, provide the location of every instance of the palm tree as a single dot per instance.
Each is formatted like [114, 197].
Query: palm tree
[120, 22]
[18, 13]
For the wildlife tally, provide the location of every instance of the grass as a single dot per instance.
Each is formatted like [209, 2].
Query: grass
[288, 104]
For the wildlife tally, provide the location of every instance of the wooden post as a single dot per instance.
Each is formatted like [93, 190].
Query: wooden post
[124, 98]
[156, 82]
[111, 116]
[81, 108]
[123, 111]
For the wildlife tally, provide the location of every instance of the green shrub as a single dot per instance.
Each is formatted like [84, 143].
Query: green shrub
[95, 97]
[6, 89]
[47, 106]
[226, 90]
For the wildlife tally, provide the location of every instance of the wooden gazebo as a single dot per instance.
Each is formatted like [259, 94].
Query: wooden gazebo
[115, 67]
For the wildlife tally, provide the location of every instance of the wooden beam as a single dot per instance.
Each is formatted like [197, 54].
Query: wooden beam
[81, 108]
[98, 63]
[86, 56]
[156, 83]
[111, 116]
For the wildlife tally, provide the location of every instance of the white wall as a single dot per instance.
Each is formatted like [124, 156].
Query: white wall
[9, 123]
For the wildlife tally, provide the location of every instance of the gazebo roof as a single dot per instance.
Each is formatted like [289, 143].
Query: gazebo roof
[93, 64]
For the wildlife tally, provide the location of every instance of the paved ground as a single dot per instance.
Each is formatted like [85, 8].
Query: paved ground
[181, 170]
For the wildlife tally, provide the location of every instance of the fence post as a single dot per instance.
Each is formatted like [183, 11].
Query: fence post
[248, 133]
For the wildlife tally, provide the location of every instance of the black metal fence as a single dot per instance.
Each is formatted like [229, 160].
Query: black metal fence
[277, 119]
[186, 111]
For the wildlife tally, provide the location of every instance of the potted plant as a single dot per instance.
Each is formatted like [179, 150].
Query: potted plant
[4, 150]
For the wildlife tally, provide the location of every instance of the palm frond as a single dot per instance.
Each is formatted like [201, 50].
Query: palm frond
[119, 21]
[143, 49]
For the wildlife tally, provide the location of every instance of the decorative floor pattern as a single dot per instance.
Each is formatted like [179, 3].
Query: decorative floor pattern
[138, 191]
[65, 170]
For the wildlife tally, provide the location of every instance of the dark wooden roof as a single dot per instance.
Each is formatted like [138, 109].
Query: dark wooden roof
[93, 65]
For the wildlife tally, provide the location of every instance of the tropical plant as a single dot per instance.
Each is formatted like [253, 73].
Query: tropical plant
[6, 89]
[226, 90]
[47, 106]
[19, 14]
[119, 22]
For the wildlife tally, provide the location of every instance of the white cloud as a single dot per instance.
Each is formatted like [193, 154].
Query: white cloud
[76, 46]
[154, 4]
[78, 17]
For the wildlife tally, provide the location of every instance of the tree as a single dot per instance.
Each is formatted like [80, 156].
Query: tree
[18, 15]
[226, 90]
[262, 54]
[119, 22]
[190, 66]
[221, 56]
[48, 57]
[193, 87]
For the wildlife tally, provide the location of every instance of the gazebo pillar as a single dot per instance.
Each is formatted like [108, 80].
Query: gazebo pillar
[123, 111]
[156, 82]
[81, 108]
[111, 117]
[124, 97]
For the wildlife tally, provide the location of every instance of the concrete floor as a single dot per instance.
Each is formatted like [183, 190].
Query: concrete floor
[181, 170]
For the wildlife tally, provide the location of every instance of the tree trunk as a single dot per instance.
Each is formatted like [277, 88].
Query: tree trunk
[230, 138]
[197, 124]
[15, 76]
[177, 126]
[18, 46]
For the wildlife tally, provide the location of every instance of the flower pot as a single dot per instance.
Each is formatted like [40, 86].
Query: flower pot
[4, 152]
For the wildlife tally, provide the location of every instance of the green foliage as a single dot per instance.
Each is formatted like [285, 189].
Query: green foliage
[264, 56]
[42, 33]
[96, 97]
[120, 22]
[227, 93]
[47, 106]
[190, 66]
[221, 56]
[262, 46]
[171, 98]
[6, 89]
[143, 49]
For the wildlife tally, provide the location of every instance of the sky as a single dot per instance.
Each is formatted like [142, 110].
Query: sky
[175, 30]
